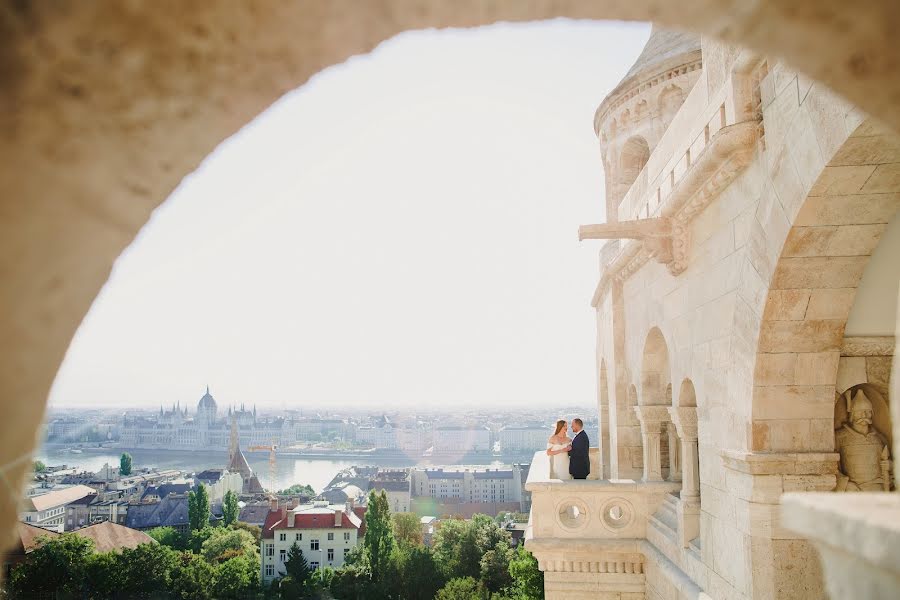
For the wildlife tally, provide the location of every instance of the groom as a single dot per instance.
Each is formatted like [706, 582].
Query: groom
[579, 461]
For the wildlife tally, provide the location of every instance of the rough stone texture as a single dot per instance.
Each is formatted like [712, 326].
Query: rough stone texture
[755, 322]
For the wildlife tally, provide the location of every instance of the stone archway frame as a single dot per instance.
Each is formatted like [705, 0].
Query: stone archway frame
[813, 284]
[108, 105]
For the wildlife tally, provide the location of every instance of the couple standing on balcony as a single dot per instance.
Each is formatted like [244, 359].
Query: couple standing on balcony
[569, 458]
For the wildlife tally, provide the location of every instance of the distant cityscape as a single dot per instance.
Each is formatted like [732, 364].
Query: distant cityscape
[208, 427]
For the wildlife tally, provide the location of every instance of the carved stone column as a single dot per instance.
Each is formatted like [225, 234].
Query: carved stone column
[653, 421]
[684, 419]
[674, 453]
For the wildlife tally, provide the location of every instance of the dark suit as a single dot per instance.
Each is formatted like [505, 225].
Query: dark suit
[579, 456]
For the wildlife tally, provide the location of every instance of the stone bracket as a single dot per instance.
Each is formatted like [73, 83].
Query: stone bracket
[667, 237]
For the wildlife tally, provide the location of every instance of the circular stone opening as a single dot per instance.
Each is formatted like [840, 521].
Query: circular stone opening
[617, 513]
[572, 514]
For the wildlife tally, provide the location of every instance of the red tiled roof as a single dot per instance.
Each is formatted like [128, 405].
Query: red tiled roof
[277, 519]
[360, 511]
[29, 534]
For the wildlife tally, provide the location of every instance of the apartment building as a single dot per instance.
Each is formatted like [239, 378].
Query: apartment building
[326, 533]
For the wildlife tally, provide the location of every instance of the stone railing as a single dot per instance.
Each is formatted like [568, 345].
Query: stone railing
[588, 535]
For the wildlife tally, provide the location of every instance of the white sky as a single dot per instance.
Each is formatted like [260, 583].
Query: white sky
[400, 232]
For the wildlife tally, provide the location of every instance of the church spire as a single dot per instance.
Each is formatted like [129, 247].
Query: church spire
[234, 444]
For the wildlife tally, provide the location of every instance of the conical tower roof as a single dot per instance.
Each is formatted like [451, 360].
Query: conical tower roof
[665, 49]
[240, 465]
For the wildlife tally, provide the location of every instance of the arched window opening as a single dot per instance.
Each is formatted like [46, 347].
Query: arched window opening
[634, 156]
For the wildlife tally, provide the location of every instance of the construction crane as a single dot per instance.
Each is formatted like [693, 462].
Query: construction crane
[271, 449]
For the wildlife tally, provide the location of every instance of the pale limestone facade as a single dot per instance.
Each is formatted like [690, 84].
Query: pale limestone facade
[108, 105]
[730, 330]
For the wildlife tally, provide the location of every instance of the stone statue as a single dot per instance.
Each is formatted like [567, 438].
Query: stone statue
[865, 456]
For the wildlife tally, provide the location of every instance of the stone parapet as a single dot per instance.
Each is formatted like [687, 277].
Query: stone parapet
[857, 536]
[586, 535]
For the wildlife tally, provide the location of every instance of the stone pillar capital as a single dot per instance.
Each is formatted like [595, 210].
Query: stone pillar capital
[652, 418]
[685, 420]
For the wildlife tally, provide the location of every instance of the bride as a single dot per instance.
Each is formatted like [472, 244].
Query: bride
[558, 447]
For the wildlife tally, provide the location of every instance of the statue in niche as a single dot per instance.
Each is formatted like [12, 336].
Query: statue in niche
[865, 453]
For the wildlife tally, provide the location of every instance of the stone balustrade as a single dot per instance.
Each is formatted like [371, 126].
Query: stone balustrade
[589, 535]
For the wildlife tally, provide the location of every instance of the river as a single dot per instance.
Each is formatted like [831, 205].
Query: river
[314, 471]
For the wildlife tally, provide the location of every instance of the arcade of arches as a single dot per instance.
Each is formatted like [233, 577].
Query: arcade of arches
[747, 304]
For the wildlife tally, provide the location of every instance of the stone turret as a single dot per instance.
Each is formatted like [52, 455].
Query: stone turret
[634, 116]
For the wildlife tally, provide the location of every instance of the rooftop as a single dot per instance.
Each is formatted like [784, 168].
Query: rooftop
[109, 536]
[57, 498]
[310, 517]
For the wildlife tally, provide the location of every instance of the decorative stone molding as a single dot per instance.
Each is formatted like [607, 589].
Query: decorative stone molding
[868, 346]
[615, 100]
[666, 237]
[572, 514]
[653, 417]
[627, 565]
[653, 421]
[685, 420]
[617, 514]
[781, 463]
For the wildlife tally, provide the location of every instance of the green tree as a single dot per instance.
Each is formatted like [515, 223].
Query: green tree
[528, 579]
[197, 537]
[168, 536]
[461, 588]
[495, 575]
[253, 530]
[198, 508]
[407, 528]
[379, 540]
[351, 582]
[148, 570]
[224, 544]
[105, 575]
[230, 508]
[192, 578]
[456, 550]
[296, 582]
[420, 575]
[460, 545]
[58, 568]
[238, 577]
[321, 578]
[125, 464]
[298, 489]
[39, 466]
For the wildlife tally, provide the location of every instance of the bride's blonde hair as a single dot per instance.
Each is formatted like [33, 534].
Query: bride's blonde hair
[559, 425]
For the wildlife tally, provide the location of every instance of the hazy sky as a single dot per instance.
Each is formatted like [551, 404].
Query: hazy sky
[400, 232]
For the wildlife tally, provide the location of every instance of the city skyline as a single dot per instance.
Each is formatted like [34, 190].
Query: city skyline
[400, 231]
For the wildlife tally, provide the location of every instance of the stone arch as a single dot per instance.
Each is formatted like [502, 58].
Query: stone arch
[834, 231]
[634, 155]
[655, 371]
[670, 99]
[687, 396]
[99, 164]
[641, 111]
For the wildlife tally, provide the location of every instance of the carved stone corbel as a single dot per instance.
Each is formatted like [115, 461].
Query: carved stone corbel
[655, 235]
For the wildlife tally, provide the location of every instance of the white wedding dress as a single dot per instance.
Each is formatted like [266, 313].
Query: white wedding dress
[559, 463]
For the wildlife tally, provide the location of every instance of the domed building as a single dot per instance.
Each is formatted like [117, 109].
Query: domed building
[206, 430]
[206, 409]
